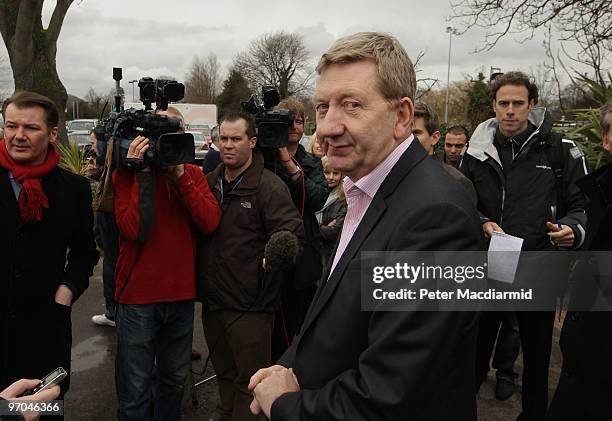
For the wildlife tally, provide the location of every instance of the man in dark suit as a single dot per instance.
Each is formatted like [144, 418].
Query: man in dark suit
[584, 388]
[351, 364]
[47, 251]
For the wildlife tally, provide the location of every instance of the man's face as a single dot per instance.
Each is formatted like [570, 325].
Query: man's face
[512, 106]
[428, 141]
[454, 145]
[297, 130]
[356, 125]
[94, 142]
[234, 143]
[606, 138]
[26, 134]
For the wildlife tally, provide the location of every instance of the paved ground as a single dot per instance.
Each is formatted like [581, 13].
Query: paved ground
[92, 391]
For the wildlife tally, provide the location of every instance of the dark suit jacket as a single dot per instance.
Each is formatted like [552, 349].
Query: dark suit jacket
[35, 331]
[585, 385]
[211, 161]
[361, 365]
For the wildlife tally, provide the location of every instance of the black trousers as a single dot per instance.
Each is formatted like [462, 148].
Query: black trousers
[109, 235]
[507, 348]
[535, 329]
[289, 317]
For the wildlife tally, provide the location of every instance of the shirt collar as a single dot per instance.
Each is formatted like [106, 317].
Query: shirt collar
[370, 183]
[519, 139]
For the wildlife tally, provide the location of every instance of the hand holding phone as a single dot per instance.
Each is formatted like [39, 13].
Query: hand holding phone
[51, 379]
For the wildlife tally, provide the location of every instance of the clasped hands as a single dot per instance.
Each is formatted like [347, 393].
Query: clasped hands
[268, 384]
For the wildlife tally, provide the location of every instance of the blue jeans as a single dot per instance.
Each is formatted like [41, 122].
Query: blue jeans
[147, 333]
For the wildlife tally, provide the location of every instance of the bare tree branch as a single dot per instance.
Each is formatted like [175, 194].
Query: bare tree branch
[278, 59]
[428, 82]
[569, 18]
[203, 80]
[552, 67]
[57, 19]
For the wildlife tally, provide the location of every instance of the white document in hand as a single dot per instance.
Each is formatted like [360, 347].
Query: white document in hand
[504, 253]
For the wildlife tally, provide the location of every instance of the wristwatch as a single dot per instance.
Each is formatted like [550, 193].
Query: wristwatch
[297, 171]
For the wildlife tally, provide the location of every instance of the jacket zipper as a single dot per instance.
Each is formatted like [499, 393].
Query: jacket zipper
[501, 215]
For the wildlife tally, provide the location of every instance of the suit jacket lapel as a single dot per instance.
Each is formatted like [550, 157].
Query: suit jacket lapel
[413, 155]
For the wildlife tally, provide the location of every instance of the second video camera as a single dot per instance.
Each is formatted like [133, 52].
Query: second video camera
[272, 125]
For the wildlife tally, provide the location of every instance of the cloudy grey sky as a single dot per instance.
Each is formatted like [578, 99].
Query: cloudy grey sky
[155, 37]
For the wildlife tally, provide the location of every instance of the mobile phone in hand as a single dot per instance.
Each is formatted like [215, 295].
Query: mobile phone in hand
[51, 379]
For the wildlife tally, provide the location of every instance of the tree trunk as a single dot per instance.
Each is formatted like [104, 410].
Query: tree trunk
[32, 50]
[41, 77]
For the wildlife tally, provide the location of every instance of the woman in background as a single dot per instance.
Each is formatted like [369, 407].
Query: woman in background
[331, 216]
[314, 147]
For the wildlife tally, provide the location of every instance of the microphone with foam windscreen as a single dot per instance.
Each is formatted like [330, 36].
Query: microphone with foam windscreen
[281, 251]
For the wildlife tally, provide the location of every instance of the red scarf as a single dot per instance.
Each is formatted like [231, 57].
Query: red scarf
[32, 199]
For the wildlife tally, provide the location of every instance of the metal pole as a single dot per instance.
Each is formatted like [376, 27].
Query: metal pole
[132, 82]
[450, 37]
[201, 382]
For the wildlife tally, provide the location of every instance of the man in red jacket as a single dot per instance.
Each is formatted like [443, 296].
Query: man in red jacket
[156, 212]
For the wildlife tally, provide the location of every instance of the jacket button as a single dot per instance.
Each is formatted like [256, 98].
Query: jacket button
[575, 316]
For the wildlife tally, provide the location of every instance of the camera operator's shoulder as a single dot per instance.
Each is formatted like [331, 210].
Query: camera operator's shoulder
[308, 161]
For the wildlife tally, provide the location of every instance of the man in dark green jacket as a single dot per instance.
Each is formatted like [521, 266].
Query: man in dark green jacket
[239, 294]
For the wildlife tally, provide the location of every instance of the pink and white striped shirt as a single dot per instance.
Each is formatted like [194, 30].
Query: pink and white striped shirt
[359, 195]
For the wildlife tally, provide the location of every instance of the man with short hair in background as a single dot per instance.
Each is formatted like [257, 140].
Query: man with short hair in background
[426, 127]
[240, 296]
[525, 176]
[213, 157]
[455, 144]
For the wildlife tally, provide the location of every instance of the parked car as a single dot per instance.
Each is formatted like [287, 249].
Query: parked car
[81, 126]
[201, 128]
[82, 140]
[201, 146]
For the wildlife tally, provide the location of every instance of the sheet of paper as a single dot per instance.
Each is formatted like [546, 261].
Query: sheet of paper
[503, 256]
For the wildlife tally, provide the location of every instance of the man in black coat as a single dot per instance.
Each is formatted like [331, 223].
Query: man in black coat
[585, 386]
[525, 177]
[47, 251]
[348, 363]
